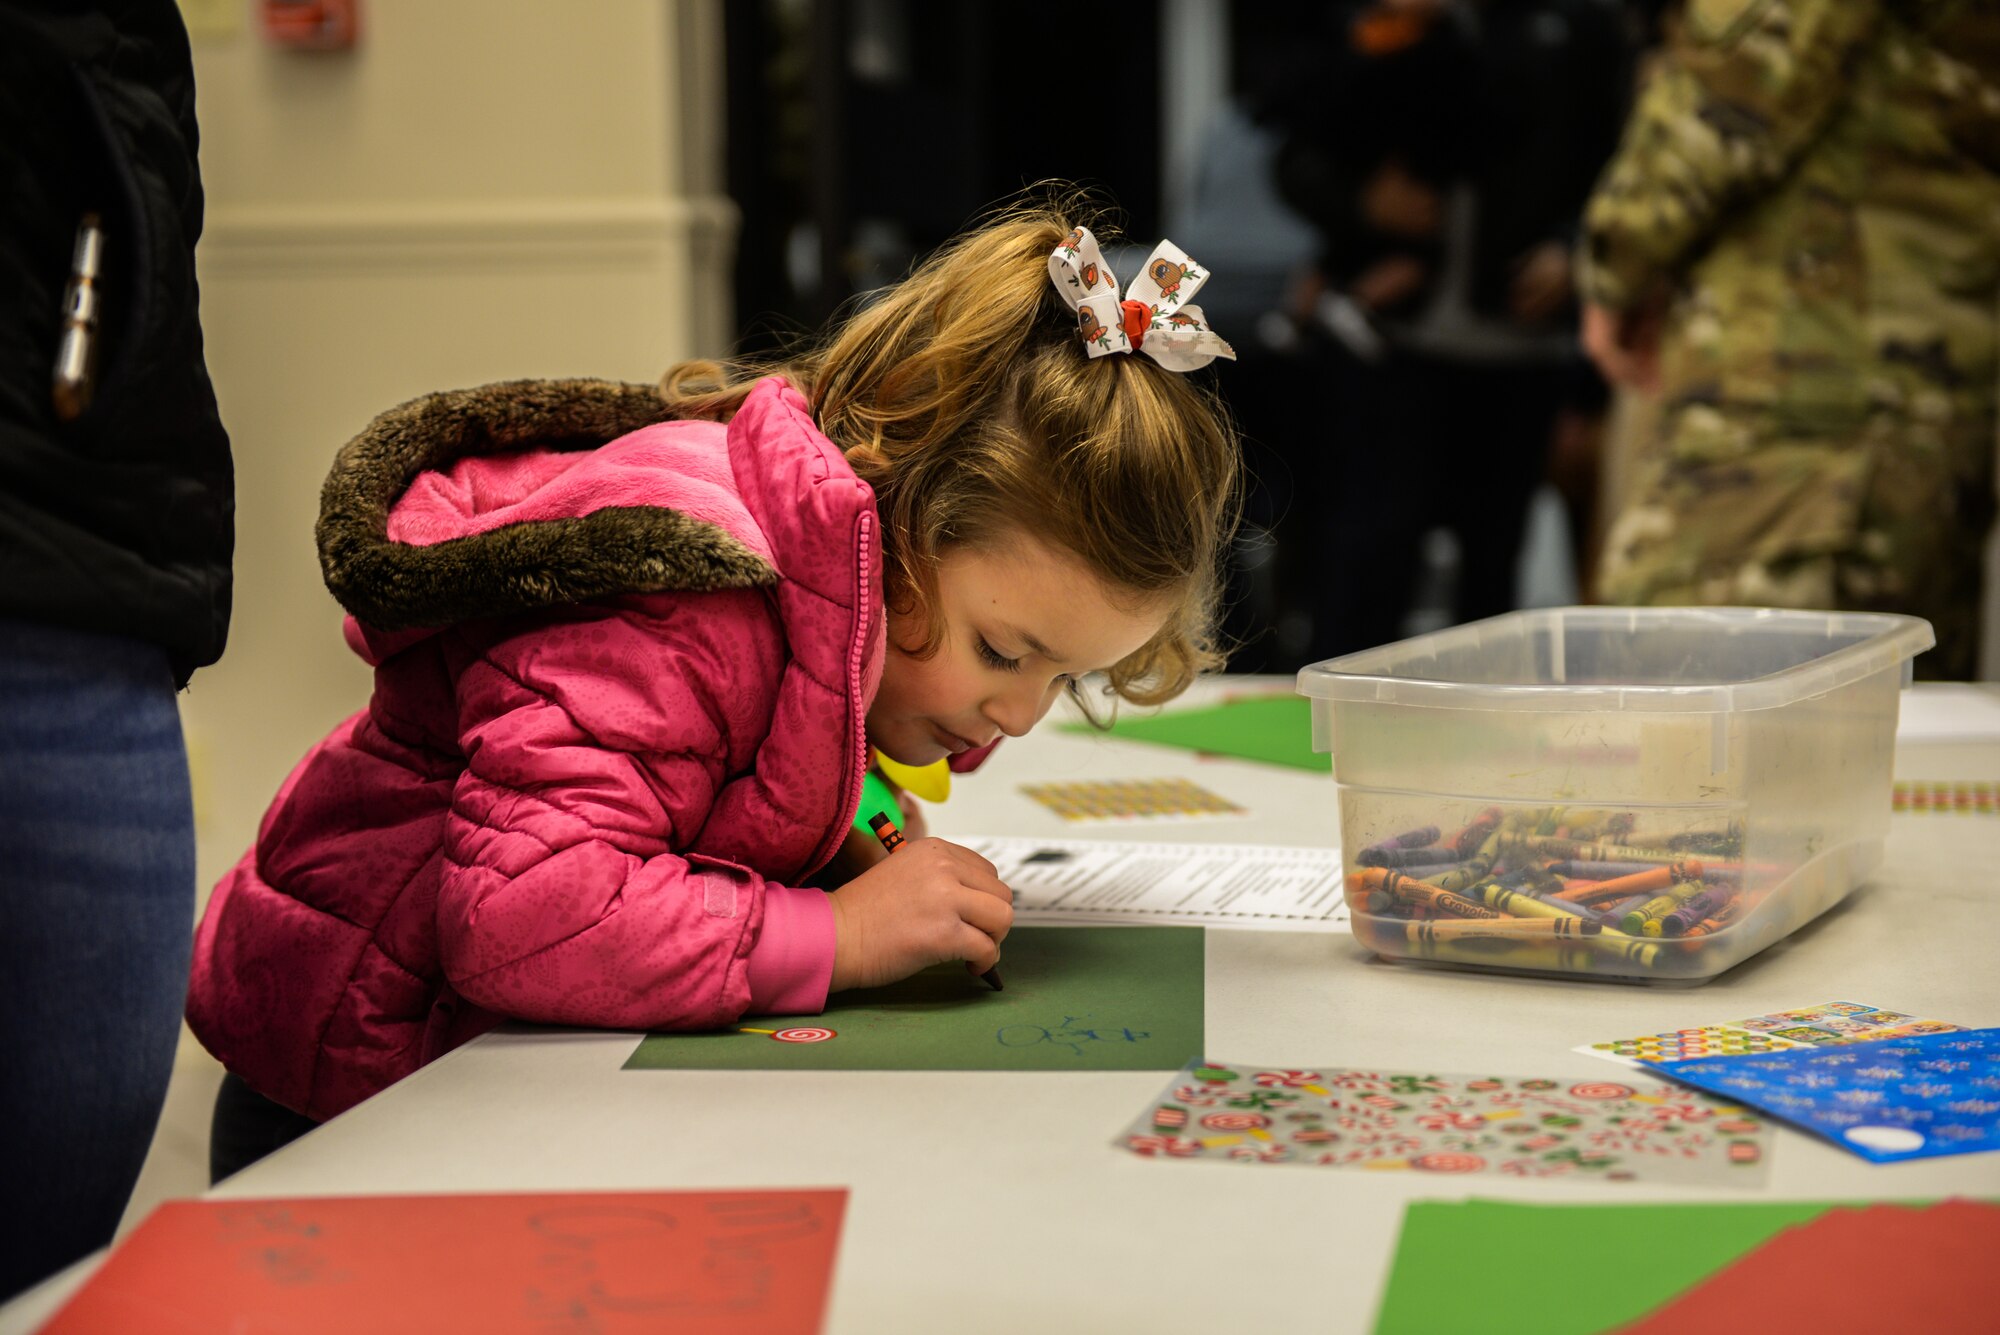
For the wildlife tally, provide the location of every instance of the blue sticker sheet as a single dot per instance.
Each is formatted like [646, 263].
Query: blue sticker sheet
[1890, 1100]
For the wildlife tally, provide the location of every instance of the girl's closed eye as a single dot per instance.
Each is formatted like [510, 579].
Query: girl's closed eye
[993, 658]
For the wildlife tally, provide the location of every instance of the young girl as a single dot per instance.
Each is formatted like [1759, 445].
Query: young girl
[631, 647]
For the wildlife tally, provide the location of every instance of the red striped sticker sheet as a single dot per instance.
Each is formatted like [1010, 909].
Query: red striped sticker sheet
[1452, 1125]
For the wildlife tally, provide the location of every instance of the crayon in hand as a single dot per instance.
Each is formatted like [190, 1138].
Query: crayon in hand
[892, 839]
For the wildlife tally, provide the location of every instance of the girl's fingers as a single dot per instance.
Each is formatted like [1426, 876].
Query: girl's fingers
[984, 912]
[979, 951]
[978, 873]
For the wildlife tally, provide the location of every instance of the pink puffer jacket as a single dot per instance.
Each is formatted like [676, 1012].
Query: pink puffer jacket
[618, 715]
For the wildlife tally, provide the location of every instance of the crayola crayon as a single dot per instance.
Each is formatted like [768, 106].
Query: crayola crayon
[1408, 890]
[1511, 929]
[1625, 948]
[1728, 915]
[1657, 908]
[1550, 847]
[1482, 827]
[1687, 841]
[1435, 856]
[1476, 868]
[1655, 878]
[1692, 912]
[1569, 906]
[1598, 871]
[1610, 871]
[1497, 896]
[1409, 839]
[1515, 949]
[1616, 912]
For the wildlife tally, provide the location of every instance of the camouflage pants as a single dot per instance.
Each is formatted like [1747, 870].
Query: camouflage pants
[1892, 517]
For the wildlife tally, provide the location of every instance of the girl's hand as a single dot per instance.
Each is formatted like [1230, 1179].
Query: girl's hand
[932, 901]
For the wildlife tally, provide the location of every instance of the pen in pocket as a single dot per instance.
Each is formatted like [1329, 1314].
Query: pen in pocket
[76, 352]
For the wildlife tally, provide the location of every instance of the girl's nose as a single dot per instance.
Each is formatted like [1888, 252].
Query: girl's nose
[1017, 710]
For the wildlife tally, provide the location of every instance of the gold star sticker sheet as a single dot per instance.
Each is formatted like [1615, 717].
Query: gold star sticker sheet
[1131, 800]
[1828, 1024]
[1452, 1125]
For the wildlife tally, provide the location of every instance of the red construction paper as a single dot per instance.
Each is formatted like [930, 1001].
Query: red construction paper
[610, 1263]
[1880, 1268]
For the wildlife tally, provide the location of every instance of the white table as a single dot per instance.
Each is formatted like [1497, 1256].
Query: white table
[996, 1202]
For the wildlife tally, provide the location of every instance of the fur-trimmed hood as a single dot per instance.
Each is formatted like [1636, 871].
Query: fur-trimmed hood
[393, 556]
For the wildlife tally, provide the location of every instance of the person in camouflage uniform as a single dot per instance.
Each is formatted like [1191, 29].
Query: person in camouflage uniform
[1798, 244]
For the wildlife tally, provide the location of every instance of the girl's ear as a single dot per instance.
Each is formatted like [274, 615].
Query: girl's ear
[912, 626]
[902, 597]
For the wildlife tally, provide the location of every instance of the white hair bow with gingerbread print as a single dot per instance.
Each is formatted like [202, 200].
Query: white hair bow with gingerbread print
[1156, 317]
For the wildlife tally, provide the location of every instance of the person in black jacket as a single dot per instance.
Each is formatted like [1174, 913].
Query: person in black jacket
[1443, 150]
[116, 529]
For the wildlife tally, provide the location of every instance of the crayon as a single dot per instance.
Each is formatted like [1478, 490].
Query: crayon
[892, 839]
[1497, 896]
[1510, 929]
[1438, 856]
[1655, 878]
[1687, 841]
[1655, 909]
[1476, 868]
[1624, 906]
[1724, 918]
[1418, 838]
[1516, 949]
[1569, 868]
[1552, 949]
[1568, 848]
[1408, 890]
[1549, 897]
[885, 830]
[1613, 870]
[1467, 840]
[1617, 946]
[1692, 912]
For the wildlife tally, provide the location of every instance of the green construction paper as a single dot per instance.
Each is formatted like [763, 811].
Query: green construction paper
[1276, 729]
[1076, 999]
[1499, 1267]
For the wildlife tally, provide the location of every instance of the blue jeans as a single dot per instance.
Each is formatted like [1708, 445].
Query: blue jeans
[96, 930]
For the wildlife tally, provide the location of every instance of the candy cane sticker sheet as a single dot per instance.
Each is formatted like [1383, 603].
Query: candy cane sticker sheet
[1326, 1117]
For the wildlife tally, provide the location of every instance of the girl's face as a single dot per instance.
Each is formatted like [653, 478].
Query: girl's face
[1021, 619]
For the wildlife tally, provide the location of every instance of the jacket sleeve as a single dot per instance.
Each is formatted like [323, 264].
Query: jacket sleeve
[594, 750]
[1743, 90]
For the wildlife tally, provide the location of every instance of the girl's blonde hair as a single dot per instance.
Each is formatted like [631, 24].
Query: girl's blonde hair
[962, 395]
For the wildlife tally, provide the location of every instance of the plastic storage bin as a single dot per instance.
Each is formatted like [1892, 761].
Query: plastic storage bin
[1636, 793]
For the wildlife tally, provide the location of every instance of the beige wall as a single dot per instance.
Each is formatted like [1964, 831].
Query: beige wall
[482, 189]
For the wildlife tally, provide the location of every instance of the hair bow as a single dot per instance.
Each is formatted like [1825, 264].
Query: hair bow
[1156, 317]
